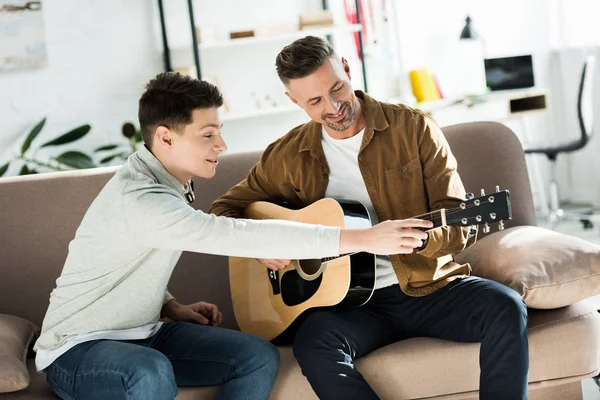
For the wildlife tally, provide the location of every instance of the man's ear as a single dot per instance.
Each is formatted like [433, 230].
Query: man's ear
[163, 137]
[291, 98]
[346, 68]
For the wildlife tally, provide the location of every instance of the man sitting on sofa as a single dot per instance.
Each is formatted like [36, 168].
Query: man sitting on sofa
[101, 337]
[396, 161]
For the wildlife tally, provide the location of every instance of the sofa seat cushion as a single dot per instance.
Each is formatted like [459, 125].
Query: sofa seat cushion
[563, 345]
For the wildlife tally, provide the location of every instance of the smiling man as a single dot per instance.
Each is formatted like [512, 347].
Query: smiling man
[396, 161]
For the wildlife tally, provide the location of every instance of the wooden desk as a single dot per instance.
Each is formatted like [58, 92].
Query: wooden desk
[498, 106]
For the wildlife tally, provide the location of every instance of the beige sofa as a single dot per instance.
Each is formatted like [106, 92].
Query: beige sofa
[39, 216]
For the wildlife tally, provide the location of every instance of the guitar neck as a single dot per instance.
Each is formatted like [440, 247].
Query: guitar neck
[438, 217]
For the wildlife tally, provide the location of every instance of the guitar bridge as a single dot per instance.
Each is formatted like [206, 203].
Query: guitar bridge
[274, 280]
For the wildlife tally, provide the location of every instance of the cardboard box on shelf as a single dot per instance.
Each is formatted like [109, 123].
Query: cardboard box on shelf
[241, 34]
[321, 19]
[205, 34]
[187, 70]
[275, 30]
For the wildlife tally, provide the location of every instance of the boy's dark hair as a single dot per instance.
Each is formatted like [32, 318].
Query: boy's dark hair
[169, 100]
[302, 57]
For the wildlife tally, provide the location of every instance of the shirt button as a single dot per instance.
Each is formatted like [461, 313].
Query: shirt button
[404, 169]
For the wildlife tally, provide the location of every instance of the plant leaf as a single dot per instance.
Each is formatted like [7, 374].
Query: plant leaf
[32, 134]
[138, 136]
[112, 157]
[128, 130]
[4, 168]
[24, 170]
[106, 148]
[70, 136]
[76, 159]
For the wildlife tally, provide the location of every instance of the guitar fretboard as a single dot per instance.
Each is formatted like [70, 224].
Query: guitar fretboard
[438, 218]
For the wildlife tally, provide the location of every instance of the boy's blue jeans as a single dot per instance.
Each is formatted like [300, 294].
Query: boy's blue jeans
[179, 354]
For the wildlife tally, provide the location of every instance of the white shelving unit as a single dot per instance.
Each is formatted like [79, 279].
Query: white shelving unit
[220, 50]
[260, 113]
[287, 37]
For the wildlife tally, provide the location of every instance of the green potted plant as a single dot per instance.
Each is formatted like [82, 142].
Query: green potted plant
[66, 160]
[72, 159]
[121, 151]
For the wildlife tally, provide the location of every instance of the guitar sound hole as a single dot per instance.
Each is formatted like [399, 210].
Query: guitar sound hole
[311, 266]
[295, 290]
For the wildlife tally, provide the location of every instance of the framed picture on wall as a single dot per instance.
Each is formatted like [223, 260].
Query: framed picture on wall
[22, 36]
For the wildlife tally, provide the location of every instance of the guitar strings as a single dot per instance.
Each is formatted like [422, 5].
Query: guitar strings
[454, 210]
[430, 213]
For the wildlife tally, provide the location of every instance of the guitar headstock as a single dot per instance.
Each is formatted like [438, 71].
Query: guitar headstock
[483, 210]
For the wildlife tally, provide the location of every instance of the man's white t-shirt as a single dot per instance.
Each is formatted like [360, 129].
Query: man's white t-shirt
[346, 182]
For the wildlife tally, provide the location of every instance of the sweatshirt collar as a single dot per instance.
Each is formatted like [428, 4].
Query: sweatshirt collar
[163, 176]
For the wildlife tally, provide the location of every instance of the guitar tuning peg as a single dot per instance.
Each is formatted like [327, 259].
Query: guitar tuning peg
[486, 228]
[472, 230]
[501, 225]
[497, 188]
[470, 196]
[483, 192]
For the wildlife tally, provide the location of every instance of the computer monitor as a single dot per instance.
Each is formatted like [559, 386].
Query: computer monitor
[509, 72]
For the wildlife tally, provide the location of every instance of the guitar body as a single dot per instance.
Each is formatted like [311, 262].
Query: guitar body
[266, 302]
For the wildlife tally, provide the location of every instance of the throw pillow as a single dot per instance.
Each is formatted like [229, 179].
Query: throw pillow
[549, 269]
[15, 336]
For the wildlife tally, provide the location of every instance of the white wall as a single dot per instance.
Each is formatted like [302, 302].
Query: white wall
[247, 73]
[100, 53]
[558, 33]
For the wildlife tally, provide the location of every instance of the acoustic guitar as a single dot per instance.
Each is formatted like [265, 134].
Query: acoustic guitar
[266, 302]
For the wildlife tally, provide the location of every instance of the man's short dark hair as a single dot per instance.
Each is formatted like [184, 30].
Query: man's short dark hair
[169, 100]
[302, 57]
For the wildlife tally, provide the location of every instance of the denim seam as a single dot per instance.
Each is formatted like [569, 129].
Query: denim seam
[103, 371]
[212, 359]
[61, 388]
[100, 371]
[62, 371]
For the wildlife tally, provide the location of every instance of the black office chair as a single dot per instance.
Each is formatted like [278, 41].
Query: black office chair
[585, 115]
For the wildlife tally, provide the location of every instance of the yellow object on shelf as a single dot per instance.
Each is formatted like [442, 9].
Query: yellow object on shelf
[424, 86]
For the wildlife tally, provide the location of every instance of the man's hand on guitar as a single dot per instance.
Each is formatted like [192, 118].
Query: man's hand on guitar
[388, 237]
[274, 265]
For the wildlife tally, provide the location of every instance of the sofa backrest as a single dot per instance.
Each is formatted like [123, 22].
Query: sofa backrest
[490, 154]
[39, 215]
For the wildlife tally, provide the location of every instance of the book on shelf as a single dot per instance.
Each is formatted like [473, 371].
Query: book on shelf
[424, 85]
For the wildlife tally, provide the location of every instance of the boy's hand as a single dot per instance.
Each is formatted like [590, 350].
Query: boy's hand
[274, 265]
[202, 312]
[388, 237]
